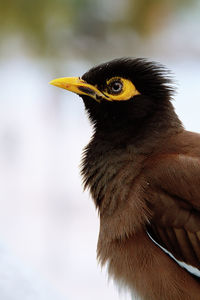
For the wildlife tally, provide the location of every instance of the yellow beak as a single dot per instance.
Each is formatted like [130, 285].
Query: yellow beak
[78, 86]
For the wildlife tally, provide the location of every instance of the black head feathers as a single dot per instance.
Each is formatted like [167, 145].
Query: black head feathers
[123, 93]
[150, 79]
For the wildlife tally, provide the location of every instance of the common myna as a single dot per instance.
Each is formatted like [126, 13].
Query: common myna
[143, 171]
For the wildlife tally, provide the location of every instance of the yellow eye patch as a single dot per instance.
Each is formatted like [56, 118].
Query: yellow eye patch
[120, 89]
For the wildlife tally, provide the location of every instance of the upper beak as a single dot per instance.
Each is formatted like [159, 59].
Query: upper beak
[78, 86]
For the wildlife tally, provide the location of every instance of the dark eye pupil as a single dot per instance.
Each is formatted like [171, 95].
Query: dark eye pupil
[116, 87]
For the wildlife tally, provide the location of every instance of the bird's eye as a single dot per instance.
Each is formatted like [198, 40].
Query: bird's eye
[119, 89]
[116, 87]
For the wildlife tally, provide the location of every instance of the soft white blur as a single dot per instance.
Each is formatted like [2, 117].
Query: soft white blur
[48, 225]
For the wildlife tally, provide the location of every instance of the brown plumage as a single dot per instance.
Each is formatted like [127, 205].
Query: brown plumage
[143, 171]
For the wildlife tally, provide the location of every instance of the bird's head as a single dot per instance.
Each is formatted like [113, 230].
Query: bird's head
[121, 90]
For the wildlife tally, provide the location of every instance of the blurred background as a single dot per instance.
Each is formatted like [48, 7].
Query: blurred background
[48, 225]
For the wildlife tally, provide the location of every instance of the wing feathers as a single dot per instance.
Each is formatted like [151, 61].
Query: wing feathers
[174, 198]
[195, 242]
[183, 245]
[175, 245]
[186, 247]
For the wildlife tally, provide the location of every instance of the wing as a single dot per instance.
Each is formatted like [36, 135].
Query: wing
[174, 200]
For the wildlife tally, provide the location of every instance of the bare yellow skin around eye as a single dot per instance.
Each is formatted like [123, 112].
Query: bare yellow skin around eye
[128, 90]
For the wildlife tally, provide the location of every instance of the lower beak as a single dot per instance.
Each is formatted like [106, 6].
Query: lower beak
[78, 86]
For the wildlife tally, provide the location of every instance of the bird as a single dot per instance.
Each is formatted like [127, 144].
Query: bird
[142, 168]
